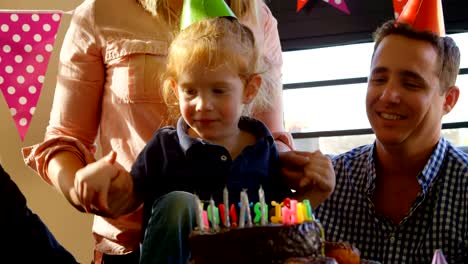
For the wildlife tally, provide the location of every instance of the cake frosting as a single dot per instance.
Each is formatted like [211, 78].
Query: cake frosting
[273, 243]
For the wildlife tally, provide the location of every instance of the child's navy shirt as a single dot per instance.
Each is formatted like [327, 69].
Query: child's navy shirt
[174, 161]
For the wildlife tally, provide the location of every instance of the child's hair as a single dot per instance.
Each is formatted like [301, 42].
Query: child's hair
[161, 8]
[212, 43]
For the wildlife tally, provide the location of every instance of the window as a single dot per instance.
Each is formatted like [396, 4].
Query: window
[324, 93]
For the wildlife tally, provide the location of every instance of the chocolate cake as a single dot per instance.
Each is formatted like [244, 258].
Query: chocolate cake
[311, 260]
[259, 244]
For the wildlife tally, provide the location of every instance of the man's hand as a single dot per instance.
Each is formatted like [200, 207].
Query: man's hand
[311, 174]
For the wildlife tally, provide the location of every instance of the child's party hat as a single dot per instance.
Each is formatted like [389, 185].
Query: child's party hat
[424, 15]
[196, 10]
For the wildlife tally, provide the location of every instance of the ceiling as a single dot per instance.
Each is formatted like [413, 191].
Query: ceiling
[319, 24]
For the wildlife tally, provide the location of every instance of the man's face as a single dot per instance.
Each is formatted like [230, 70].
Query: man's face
[404, 102]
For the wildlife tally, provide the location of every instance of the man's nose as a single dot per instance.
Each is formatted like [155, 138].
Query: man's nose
[391, 92]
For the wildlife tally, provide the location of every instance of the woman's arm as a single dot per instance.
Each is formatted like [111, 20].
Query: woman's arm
[61, 171]
[272, 83]
[76, 110]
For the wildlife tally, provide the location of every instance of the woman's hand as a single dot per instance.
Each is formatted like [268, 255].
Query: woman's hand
[103, 188]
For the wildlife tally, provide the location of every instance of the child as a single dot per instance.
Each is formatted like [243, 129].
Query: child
[212, 76]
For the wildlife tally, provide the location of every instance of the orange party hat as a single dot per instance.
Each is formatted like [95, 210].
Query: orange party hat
[424, 15]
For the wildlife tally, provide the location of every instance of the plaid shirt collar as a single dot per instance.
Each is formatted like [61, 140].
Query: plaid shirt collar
[427, 176]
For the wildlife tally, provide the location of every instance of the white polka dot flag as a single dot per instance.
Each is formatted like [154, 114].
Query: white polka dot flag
[339, 4]
[398, 7]
[26, 43]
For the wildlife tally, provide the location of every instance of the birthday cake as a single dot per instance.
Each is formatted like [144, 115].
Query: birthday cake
[273, 243]
[293, 236]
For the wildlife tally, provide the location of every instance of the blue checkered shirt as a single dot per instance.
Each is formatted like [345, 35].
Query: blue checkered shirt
[438, 219]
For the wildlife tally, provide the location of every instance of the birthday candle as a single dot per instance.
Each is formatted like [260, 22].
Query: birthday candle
[214, 218]
[243, 206]
[233, 215]
[276, 219]
[257, 213]
[300, 213]
[261, 198]
[226, 207]
[249, 216]
[293, 208]
[309, 214]
[286, 213]
[199, 213]
[222, 215]
[205, 221]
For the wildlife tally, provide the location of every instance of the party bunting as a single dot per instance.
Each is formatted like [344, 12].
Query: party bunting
[398, 6]
[339, 4]
[301, 4]
[26, 42]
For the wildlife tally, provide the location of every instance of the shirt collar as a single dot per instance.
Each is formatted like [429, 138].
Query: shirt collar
[434, 165]
[254, 126]
[428, 174]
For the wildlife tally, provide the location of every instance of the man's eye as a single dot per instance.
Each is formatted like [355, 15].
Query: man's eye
[411, 85]
[378, 80]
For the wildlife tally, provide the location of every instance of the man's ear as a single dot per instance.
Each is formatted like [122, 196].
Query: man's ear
[451, 98]
[173, 85]
[251, 88]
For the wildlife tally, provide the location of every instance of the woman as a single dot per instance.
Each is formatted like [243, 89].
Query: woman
[110, 64]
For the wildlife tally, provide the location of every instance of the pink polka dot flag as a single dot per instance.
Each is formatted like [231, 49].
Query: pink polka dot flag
[339, 4]
[26, 43]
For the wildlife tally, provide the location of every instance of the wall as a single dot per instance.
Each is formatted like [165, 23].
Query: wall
[71, 228]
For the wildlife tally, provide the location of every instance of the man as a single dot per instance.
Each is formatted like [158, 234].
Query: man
[406, 195]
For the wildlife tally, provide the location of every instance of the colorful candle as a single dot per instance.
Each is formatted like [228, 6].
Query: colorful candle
[199, 213]
[222, 214]
[226, 207]
[261, 198]
[247, 211]
[300, 213]
[293, 210]
[233, 215]
[309, 215]
[205, 222]
[214, 215]
[257, 213]
[286, 214]
[243, 207]
[277, 218]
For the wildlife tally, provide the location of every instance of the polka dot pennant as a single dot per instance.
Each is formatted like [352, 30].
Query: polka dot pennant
[339, 4]
[26, 43]
[398, 6]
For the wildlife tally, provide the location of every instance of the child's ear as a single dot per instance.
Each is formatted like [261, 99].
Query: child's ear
[173, 85]
[252, 87]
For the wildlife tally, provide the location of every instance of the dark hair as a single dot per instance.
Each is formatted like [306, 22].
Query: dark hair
[447, 50]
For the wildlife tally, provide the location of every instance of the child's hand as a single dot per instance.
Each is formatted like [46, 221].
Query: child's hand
[311, 174]
[94, 185]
